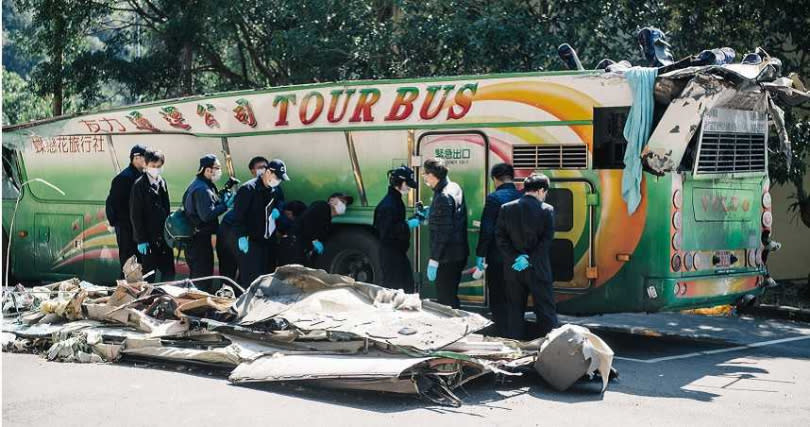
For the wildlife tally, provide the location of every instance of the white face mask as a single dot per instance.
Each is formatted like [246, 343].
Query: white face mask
[260, 172]
[340, 207]
[275, 182]
[154, 172]
[404, 189]
[217, 175]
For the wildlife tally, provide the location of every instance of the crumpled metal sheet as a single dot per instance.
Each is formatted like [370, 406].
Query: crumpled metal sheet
[569, 353]
[314, 300]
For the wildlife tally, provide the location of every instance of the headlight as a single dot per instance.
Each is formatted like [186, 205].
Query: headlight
[677, 222]
[766, 200]
[676, 262]
[767, 219]
[689, 261]
[676, 241]
[677, 199]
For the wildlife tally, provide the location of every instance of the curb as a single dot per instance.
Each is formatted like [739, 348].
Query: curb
[778, 312]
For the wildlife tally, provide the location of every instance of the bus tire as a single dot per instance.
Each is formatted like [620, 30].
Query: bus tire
[353, 252]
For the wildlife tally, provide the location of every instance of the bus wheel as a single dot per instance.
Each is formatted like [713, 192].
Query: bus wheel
[354, 253]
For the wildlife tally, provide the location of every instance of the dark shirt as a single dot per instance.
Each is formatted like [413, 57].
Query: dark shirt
[389, 221]
[117, 205]
[313, 224]
[526, 226]
[487, 248]
[148, 209]
[252, 207]
[202, 205]
[448, 223]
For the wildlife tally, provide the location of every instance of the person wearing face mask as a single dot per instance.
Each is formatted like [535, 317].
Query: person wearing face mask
[524, 232]
[227, 240]
[148, 209]
[117, 205]
[488, 256]
[312, 227]
[203, 207]
[257, 211]
[394, 231]
[447, 222]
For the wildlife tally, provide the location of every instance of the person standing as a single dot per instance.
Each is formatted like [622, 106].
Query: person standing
[447, 221]
[227, 240]
[117, 204]
[394, 231]
[148, 209]
[525, 230]
[488, 256]
[257, 209]
[312, 227]
[203, 206]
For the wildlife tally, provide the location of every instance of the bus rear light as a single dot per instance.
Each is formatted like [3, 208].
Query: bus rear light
[677, 199]
[751, 257]
[675, 263]
[677, 289]
[676, 220]
[676, 241]
[758, 257]
[766, 200]
[689, 261]
[682, 288]
[767, 219]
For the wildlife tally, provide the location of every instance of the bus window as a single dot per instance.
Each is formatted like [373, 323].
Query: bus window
[563, 201]
[609, 144]
[11, 184]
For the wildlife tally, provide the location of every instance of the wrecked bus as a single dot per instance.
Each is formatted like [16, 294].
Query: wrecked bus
[694, 239]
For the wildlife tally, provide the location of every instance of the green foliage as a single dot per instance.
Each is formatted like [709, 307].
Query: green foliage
[19, 104]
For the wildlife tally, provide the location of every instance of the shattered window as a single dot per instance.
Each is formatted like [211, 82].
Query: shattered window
[609, 144]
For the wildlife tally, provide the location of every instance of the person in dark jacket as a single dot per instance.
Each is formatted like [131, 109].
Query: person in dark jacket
[257, 209]
[488, 256]
[394, 231]
[447, 221]
[525, 230]
[148, 209]
[117, 205]
[203, 206]
[312, 228]
[227, 240]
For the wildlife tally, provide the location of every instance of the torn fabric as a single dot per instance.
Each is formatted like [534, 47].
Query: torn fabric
[636, 131]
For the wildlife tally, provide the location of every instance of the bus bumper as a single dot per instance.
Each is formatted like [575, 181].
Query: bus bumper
[693, 292]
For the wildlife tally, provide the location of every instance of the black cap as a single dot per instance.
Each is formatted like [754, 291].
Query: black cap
[405, 174]
[278, 166]
[347, 199]
[207, 161]
[137, 150]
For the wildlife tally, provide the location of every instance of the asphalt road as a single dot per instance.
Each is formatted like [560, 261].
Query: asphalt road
[663, 381]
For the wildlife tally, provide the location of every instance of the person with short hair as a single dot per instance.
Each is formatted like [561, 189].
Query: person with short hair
[394, 231]
[203, 207]
[524, 233]
[148, 210]
[488, 256]
[117, 204]
[447, 222]
[312, 228]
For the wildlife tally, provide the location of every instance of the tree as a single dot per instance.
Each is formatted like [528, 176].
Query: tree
[19, 104]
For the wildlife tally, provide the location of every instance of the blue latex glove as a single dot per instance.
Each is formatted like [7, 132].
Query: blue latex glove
[143, 247]
[413, 223]
[228, 199]
[479, 263]
[424, 213]
[432, 269]
[318, 246]
[521, 263]
[275, 213]
[243, 244]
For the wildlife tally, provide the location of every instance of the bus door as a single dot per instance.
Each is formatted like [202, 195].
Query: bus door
[572, 258]
[465, 154]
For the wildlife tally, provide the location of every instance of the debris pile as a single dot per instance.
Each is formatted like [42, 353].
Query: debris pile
[297, 324]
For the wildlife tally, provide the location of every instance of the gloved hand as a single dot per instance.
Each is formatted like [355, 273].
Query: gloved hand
[142, 248]
[479, 263]
[243, 244]
[521, 263]
[318, 246]
[228, 199]
[423, 213]
[275, 213]
[433, 268]
[413, 223]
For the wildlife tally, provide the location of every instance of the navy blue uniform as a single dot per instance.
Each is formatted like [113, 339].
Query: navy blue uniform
[148, 209]
[395, 239]
[203, 207]
[117, 209]
[526, 226]
[488, 249]
[448, 239]
[313, 224]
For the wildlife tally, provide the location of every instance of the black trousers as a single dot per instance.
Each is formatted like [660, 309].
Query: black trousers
[126, 246]
[227, 251]
[448, 277]
[200, 259]
[292, 251]
[254, 263]
[519, 284]
[496, 287]
[160, 258]
[396, 269]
